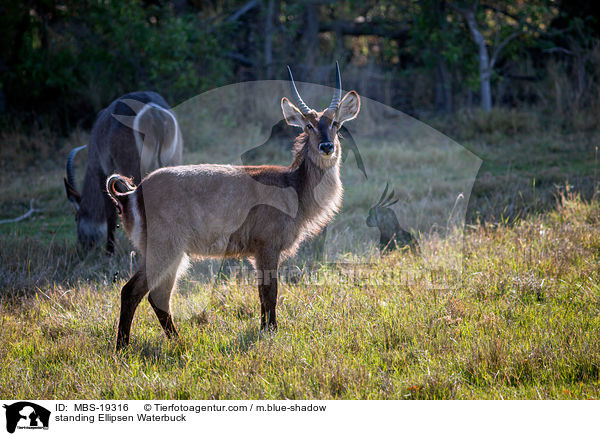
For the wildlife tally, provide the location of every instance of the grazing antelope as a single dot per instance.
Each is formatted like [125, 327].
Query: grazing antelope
[381, 215]
[134, 135]
[258, 212]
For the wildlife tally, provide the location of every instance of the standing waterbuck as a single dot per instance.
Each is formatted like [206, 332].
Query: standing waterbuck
[134, 135]
[258, 212]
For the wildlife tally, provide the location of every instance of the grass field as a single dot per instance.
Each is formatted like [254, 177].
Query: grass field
[508, 310]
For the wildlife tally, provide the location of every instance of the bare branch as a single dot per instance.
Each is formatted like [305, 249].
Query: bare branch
[503, 45]
[469, 16]
[241, 11]
[244, 60]
[475, 32]
[385, 28]
[26, 215]
[460, 11]
[558, 50]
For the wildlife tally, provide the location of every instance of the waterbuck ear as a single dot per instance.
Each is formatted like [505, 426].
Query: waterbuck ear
[292, 114]
[349, 108]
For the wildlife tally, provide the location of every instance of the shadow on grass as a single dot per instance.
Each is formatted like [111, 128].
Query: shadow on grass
[28, 264]
[175, 351]
[244, 341]
[154, 350]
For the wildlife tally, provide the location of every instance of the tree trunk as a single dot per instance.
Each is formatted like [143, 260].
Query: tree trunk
[486, 91]
[268, 39]
[443, 86]
[445, 76]
[484, 62]
[311, 34]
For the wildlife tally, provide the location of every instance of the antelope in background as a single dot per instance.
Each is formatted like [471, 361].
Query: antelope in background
[258, 212]
[136, 134]
[381, 215]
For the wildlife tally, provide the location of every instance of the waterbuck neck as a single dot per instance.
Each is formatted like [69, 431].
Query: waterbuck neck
[319, 189]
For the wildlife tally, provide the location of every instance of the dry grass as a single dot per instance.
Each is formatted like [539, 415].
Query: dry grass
[517, 319]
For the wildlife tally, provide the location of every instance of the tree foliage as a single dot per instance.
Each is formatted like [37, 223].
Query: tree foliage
[73, 57]
[66, 59]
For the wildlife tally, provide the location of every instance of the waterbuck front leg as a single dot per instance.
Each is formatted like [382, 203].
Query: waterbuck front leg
[131, 295]
[267, 263]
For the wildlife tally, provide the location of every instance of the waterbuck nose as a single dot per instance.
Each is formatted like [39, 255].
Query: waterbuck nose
[326, 147]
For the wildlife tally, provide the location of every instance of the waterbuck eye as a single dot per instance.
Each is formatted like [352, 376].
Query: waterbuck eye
[310, 127]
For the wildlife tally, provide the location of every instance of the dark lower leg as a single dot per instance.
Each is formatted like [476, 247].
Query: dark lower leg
[131, 295]
[267, 262]
[111, 224]
[110, 244]
[165, 318]
[268, 301]
[267, 291]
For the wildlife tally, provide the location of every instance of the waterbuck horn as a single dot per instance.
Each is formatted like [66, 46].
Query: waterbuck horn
[393, 202]
[382, 199]
[390, 200]
[72, 193]
[337, 94]
[301, 105]
[390, 196]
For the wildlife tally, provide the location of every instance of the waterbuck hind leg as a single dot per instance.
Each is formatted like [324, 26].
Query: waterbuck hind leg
[111, 224]
[266, 274]
[160, 300]
[131, 295]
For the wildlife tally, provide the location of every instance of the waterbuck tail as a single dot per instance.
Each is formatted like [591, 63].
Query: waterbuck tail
[119, 188]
